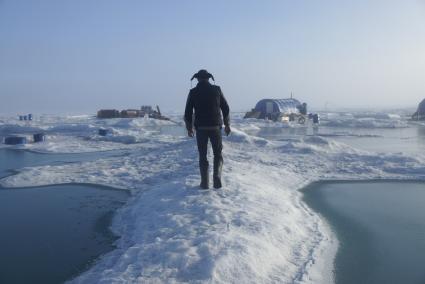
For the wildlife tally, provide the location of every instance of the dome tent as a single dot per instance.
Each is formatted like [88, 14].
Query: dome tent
[420, 112]
[271, 108]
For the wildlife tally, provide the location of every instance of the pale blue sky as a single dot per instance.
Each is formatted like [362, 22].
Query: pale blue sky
[77, 56]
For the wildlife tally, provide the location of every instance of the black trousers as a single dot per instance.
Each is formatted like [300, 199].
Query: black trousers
[202, 137]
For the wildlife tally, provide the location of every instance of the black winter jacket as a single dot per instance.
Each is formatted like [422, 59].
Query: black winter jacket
[208, 102]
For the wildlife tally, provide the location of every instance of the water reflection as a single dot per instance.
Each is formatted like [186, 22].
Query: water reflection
[50, 234]
[377, 243]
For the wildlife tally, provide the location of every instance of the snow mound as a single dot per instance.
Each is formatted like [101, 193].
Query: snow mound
[317, 140]
[72, 128]
[363, 120]
[6, 129]
[239, 136]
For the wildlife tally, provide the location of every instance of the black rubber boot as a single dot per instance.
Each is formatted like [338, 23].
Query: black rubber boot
[218, 165]
[204, 176]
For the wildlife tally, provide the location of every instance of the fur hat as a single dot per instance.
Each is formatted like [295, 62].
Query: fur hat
[202, 74]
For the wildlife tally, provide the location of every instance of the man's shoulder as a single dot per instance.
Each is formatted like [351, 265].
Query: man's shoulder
[192, 92]
[198, 89]
[214, 87]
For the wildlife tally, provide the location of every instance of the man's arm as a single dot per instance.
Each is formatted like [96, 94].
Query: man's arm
[188, 115]
[226, 111]
[224, 108]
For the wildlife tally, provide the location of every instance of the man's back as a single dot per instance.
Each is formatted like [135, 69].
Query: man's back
[208, 102]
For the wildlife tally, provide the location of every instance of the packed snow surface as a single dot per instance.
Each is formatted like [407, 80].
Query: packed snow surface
[256, 229]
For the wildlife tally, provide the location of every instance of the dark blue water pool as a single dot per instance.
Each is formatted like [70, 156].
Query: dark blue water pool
[380, 227]
[52, 233]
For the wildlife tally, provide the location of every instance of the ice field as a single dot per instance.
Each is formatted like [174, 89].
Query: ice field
[256, 228]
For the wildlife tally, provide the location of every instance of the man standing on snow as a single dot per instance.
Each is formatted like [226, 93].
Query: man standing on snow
[208, 102]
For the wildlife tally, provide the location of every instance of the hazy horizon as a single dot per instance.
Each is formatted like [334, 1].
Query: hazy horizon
[80, 56]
